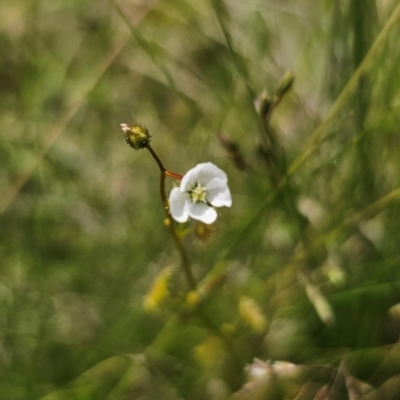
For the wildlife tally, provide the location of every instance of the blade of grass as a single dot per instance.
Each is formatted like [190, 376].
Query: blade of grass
[144, 44]
[347, 91]
[362, 25]
[146, 47]
[76, 100]
[318, 134]
[251, 94]
[366, 213]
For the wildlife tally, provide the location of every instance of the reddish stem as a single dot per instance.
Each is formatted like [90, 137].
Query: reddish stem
[178, 242]
[173, 175]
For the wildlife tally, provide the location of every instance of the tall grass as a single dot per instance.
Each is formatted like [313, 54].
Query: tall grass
[303, 268]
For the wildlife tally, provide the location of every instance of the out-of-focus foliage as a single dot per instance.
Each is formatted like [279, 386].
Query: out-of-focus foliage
[303, 270]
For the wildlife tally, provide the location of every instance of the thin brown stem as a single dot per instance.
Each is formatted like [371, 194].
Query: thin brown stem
[173, 175]
[171, 225]
[185, 259]
[155, 156]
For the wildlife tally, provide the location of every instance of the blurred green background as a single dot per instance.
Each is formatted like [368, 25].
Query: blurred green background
[305, 265]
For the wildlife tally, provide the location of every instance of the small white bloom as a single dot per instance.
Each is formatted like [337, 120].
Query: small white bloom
[202, 188]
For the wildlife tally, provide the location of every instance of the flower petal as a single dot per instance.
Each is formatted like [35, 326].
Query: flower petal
[189, 180]
[208, 171]
[202, 173]
[177, 205]
[202, 212]
[218, 193]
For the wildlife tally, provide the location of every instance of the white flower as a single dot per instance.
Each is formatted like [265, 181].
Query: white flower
[202, 188]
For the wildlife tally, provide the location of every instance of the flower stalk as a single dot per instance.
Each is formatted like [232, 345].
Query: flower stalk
[137, 137]
[177, 240]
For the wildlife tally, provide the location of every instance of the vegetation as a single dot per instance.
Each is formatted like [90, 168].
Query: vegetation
[293, 293]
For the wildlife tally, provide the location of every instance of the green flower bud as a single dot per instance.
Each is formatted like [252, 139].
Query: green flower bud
[137, 136]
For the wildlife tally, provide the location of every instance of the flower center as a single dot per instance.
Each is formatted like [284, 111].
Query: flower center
[198, 193]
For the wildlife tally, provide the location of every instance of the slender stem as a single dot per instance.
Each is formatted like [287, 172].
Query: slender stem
[185, 259]
[155, 156]
[177, 240]
[173, 175]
